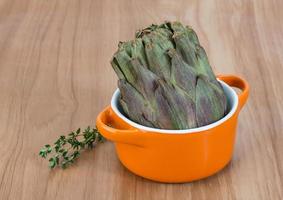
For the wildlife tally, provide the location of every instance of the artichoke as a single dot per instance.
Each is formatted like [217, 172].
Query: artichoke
[165, 79]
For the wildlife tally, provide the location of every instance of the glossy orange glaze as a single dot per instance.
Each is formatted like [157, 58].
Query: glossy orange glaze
[174, 157]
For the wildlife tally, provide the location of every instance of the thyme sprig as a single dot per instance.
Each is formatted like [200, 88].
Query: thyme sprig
[68, 148]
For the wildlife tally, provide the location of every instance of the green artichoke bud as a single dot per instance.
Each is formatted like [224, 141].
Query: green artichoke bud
[165, 79]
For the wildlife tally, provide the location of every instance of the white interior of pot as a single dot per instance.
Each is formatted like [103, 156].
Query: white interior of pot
[232, 107]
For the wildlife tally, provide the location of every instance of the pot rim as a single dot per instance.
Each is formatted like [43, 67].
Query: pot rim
[229, 92]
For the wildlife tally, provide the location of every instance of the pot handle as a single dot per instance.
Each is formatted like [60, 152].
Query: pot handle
[240, 83]
[116, 130]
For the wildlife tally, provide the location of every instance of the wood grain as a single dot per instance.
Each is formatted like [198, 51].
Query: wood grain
[55, 76]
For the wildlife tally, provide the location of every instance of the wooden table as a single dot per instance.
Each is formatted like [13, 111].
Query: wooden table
[55, 76]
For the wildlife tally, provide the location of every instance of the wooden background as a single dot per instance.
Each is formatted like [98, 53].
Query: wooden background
[55, 76]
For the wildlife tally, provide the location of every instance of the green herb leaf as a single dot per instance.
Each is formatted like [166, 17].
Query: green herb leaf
[67, 149]
[52, 162]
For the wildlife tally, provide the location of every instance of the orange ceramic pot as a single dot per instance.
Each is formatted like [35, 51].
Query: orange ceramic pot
[175, 155]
